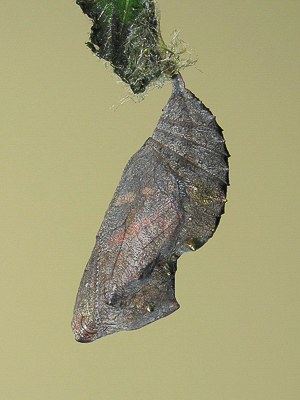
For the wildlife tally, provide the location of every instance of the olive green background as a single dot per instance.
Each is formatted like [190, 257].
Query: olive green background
[65, 139]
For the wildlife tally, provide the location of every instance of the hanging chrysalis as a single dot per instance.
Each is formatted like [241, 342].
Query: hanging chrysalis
[169, 201]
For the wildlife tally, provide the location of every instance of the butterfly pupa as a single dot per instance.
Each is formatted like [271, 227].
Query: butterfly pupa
[169, 201]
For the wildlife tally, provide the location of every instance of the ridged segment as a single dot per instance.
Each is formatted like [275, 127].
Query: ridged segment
[189, 140]
[190, 130]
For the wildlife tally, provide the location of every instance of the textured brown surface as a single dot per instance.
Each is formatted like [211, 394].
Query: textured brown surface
[236, 334]
[169, 201]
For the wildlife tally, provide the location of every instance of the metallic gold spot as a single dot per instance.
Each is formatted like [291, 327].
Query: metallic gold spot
[194, 244]
[167, 269]
[150, 308]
